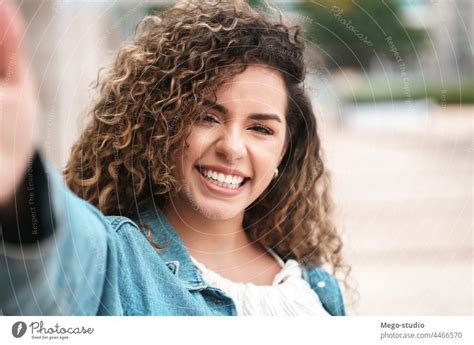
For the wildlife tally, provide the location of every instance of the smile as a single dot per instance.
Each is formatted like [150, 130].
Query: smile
[220, 182]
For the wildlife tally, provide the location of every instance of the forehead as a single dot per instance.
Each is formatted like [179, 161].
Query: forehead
[258, 88]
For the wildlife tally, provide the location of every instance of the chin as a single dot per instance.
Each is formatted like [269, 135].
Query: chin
[209, 209]
[215, 212]
[222, 215]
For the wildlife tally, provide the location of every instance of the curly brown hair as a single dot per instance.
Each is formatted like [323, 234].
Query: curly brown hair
[152, 94]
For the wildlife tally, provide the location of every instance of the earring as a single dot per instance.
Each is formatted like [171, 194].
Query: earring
[275, 175]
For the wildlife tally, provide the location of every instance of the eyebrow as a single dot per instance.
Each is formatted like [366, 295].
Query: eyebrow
[255, 116]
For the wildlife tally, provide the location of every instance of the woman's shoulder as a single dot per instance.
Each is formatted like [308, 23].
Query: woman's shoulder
[327, 288]
[121, 223]
[132, 247]
[126, 231]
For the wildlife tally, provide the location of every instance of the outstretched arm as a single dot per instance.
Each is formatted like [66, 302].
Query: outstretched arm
[57, 253]
[18, 109]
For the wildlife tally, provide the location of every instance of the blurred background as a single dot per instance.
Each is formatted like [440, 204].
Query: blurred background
[392, 83]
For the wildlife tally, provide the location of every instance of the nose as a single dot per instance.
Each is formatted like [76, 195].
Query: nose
[231, 144]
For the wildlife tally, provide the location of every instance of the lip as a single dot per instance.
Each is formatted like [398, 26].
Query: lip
[224, 170]
[220, 191]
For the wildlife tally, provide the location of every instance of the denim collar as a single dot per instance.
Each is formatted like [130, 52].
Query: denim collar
[174, 252]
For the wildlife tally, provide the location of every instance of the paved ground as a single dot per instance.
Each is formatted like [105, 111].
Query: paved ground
[405, 208]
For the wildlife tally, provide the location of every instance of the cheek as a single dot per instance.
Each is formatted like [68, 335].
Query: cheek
[197, 142]
[270, 151]
[265, 160]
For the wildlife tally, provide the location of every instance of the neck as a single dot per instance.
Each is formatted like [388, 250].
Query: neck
[203, 236]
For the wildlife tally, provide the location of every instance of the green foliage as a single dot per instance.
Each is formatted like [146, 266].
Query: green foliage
[256, 3]
[350, 33]
[372, 91]
[157, 8]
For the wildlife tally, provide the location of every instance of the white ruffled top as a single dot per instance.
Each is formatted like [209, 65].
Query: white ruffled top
[289, 294]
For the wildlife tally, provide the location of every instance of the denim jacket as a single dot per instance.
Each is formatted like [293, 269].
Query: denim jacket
[93, 264]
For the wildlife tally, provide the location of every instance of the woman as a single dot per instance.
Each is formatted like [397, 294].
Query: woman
[201, 171]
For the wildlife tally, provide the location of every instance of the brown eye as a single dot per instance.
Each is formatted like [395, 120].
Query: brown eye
[206, 117]
[262, 129]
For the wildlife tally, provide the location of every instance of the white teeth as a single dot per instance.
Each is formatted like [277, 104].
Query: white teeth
[229, 181]
[221, 177]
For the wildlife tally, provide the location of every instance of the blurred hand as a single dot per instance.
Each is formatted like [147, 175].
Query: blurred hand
[18, 109]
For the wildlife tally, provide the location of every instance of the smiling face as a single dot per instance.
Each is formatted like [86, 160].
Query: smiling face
[235, 145]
